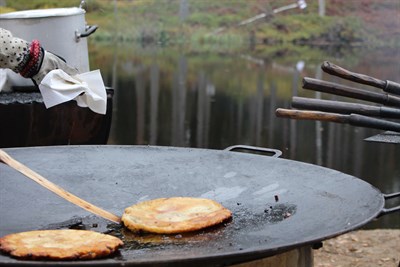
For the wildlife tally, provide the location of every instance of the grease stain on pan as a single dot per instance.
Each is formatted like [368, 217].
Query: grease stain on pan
[224, 193]
[248, 219]
[243, 224]
[234, 234]
[266, 189]
[269, 191]
[329, 195]
[230, 174]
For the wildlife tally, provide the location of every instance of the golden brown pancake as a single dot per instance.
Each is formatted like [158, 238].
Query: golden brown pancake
[59, 245]
[174, 215]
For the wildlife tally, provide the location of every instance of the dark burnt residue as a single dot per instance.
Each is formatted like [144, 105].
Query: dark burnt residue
[91, 222]
[244, 220]
[143, 240]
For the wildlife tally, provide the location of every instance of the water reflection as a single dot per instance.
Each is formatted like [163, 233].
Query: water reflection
[167, 97]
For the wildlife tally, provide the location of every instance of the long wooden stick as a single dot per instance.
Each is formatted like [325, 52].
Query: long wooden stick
[338, 89]
[311, 115]
[387, 86]
[353, 119]
[7, 159]
[345, 107]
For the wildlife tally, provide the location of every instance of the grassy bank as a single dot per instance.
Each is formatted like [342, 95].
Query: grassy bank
[171, 22]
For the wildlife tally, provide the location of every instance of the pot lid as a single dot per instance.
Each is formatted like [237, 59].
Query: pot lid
[43, 13]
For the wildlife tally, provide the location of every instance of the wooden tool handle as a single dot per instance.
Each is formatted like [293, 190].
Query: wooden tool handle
[311, 115]
[335, 106]
[353, 119]
[338, 89]
[7, 159]
[344, 107]
[387, 86]
[352, 76]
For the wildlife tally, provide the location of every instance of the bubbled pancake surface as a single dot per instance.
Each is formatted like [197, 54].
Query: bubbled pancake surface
[174, 215]
[65, 244]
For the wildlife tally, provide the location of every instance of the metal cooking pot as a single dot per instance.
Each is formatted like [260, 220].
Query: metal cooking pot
[277, 204]
[70, 124]
[60, 30]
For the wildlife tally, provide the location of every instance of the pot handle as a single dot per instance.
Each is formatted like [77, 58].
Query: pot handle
[385, 211]
[88, 31]
[275, 152]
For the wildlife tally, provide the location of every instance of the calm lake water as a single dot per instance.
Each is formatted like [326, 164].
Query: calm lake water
[178, 97]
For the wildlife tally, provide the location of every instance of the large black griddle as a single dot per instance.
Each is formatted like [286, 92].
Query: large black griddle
[313, 203]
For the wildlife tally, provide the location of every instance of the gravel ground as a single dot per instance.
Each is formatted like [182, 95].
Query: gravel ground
[361, 248]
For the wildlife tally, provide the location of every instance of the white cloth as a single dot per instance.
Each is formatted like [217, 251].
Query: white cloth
[86, 88]
[4, 83]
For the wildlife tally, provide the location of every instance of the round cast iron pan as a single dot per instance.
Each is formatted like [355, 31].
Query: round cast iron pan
[277, 204]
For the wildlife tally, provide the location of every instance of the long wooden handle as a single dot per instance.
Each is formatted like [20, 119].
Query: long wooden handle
[338, 89]
[388, 86]
[353, 119]
[344, 107]
[311, 115]
[351, 76]
[7, 159]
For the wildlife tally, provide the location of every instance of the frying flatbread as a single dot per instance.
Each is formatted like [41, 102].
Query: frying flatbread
[174, 215]
[59, 245]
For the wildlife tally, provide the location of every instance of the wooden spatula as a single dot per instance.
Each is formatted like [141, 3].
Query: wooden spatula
[7, 159]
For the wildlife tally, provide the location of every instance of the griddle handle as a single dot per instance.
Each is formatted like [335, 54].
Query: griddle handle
[276, 153]
[385, 211]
